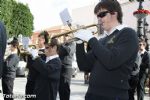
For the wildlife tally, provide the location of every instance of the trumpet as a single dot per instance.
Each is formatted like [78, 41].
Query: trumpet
[25, 52]
[72, 31]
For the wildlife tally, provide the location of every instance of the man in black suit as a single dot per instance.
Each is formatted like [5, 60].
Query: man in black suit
[32, 74]
[111, 58]
[144, 68]
[47, 80]
[9, 70]
[3, 40]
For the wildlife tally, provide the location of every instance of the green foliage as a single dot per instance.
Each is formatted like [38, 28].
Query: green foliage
[22, 20]
[16, 17]
[6, 7]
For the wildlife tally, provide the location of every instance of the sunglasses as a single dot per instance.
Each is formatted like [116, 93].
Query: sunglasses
[46, 47]
[102, 14]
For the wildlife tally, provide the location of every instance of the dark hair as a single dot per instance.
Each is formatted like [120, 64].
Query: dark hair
[15, 44]
[54, 42]
[45, 35]
[142, 40]
[15, 38]
[111, 6]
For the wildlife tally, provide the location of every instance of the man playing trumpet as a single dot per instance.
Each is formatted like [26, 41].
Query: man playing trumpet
[32, 74]
[47, 80]
[110, 59]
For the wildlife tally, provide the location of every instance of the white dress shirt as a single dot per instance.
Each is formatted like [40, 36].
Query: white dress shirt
[119, 27]
[51, 57]
[142, 52]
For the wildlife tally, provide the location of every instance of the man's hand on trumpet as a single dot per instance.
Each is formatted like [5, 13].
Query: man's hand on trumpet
[33, 52]
[84, 35]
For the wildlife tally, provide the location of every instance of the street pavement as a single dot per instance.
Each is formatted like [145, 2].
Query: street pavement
[78, 88]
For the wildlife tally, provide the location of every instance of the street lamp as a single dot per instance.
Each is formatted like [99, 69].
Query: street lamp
[140, 4]
[146, 25]
[140, 21]
[146, 36]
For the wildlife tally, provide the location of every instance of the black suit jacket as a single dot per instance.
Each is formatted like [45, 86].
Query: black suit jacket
[32, 74]
[47, 81]
[3, 39]
[145, 64]
[10, 66]
[110, 61]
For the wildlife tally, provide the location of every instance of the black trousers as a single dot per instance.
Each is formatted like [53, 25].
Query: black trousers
[90, 96]
[30, 86]
[7, 86]
[133, 82]
[141, 86]
[64, 88]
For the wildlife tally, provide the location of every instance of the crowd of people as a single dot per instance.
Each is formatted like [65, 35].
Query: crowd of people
[118, 63]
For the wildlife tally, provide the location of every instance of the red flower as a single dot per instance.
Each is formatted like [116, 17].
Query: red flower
[141, 11]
